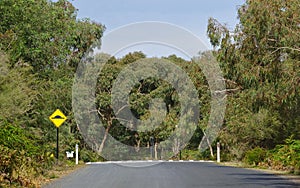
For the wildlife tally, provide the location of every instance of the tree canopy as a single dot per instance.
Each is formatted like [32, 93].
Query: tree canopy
[41, 47]
[261, 61]
[45, 34]
[41, 43]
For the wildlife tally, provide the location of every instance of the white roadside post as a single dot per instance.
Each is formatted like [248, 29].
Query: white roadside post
[76, 152]
[218, 152]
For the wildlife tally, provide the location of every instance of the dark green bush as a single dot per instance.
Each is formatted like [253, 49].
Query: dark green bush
[286, 156]
[255, 156]
[190, 154]
[21, 156]
[89, 156]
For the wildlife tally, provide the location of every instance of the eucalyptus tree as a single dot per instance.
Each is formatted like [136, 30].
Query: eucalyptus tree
[45, 34]
[260, 60]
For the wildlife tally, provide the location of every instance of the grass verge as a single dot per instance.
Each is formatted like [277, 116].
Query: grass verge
[280, 173]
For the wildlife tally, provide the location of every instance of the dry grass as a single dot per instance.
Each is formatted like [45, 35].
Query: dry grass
[59, 171]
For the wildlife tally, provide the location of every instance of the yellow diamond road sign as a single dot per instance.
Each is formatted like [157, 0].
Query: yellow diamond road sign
[58, 118]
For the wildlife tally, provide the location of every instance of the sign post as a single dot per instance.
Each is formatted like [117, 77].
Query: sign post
[57, 118]
[57, 141]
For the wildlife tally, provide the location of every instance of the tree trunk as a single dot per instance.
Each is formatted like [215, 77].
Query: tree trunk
[104, 137]
[138, 143]
[103, 140]
[206, 139]
[210, 148]
[137, 147]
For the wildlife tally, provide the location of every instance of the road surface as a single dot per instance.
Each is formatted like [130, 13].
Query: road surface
[168, 175]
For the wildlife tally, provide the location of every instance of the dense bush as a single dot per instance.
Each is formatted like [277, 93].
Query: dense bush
[21, 156]
[89, 156]
[37, 63]
[255, 156]
[286, 156]
[283, 157]
[190, 154]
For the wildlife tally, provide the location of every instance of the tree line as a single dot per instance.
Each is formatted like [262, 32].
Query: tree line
[40, 49]
[260, 61]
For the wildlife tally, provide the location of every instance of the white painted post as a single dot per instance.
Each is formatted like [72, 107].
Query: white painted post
[76, 147]
[218, 152]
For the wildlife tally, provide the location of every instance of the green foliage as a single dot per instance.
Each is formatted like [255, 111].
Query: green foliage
[14, 137]
[57, 39]
[87, 155]
[286, 156]
[40, 47]
[260, 61]
[206, 155]
[16, 90]
[21, 155]
[190, 155]
[255, 156]
[140, 98]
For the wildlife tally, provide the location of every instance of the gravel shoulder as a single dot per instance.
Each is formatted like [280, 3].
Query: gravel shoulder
[282, 174]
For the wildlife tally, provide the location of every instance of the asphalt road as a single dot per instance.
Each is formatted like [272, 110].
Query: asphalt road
[168, 175]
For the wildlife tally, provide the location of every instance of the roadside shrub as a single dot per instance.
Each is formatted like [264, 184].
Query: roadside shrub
[286, 156]
[21, 158]
[190, 155]
[89, 156]
[205, 155]
[255, 156]
[16, 167]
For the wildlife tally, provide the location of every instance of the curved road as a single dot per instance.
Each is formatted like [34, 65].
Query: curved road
[167, 175]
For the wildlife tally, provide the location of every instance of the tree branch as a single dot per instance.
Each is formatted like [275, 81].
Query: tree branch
[285, 47]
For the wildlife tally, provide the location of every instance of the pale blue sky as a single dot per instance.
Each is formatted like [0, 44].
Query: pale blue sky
[189, 14]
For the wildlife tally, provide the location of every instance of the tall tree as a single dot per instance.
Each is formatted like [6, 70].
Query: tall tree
[16, 92]
[141, 99]
[45, 34]
[260, 60]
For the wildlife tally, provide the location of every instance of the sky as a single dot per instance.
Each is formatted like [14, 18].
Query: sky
[191, 15]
